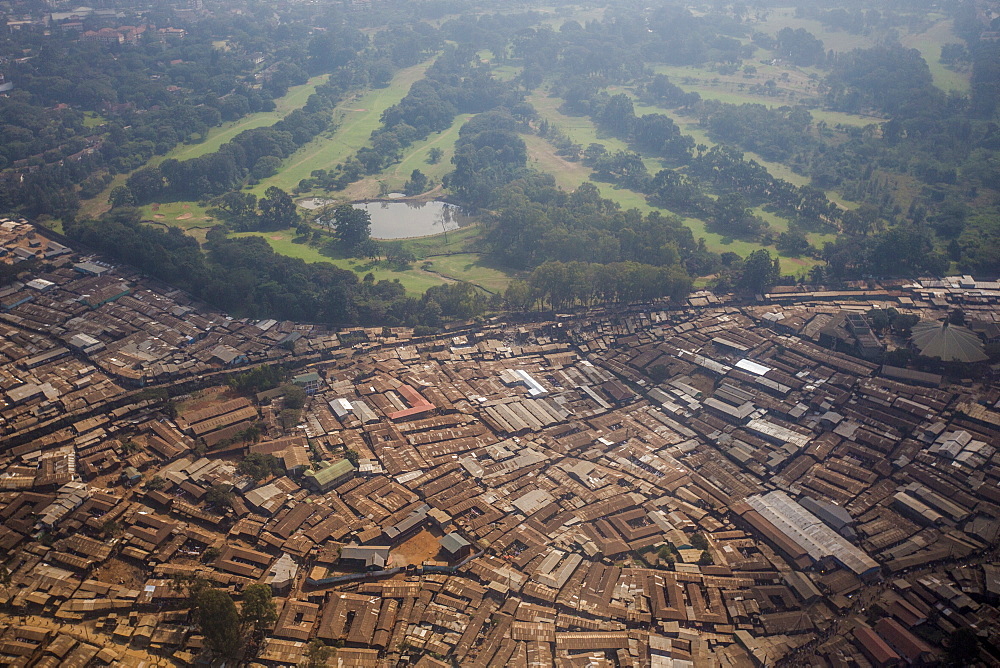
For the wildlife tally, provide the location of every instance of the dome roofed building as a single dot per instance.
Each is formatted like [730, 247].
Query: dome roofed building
[947, 342]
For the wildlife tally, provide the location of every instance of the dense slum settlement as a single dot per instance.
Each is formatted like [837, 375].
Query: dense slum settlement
[705, 484]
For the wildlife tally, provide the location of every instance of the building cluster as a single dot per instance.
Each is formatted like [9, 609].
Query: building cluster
[101, 24]
[697, 486]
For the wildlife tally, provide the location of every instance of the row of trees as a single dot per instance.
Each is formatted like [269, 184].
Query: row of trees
[244, 212]
[256, 152]
[457, 83]
[562, 284]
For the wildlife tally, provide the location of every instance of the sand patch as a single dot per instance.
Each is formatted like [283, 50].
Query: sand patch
[158, 215]
[184, 216]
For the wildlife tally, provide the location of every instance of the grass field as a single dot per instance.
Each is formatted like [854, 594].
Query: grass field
[929, 45]
[414, 280]
[188, 216]
[414, 157]
[838, 41]
[92, 120]
[472, 268]
[296, 98]
[581, 129]
[450, 259]
[569, 175]
[355, 119]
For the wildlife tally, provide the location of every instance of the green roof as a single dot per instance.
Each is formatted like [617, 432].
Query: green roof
[311, 377]
[325, 474]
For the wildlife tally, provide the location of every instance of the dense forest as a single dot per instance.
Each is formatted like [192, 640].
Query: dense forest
[919, 181]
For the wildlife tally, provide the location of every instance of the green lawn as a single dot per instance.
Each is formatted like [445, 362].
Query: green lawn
[929, 44]
[188, 216]
[415, 157]
[451, 257]
[415, 281]
[355, 119]
[581, 129]
[838, 41]
[296, 98]
[92, 120]
[463, 240]
[472, 268]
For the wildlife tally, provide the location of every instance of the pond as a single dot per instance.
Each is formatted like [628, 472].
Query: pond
[405, 219]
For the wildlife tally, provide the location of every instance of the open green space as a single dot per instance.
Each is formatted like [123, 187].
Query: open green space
[188, 216]
[557, 16]
[570, 175]
[296, 98]
[355, 119]
[580, 129]
[415, 281]
[837, 40]
[447, 258]
[471, 268]
[415, 157]
[92, 120]
[929, 45]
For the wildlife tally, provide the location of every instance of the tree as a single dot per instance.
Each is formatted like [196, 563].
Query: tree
[705, 559]
[218, 620]
[519, 296]
[317, 654]
[416, 184]
[963, 648]
[352, 225]
[121, 196]
[259, 466]
[434, 155]
[295, 396]
[220, 495]
[618, 115]
[760, 272]
[265, 166]
[145, 184]
[155, 483]
[277, 210]
[258, 611]
[658, 372]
